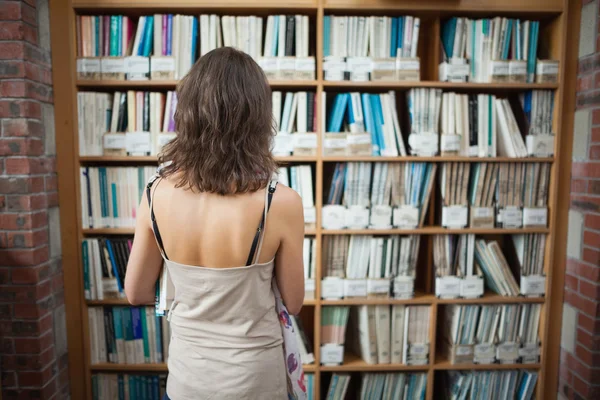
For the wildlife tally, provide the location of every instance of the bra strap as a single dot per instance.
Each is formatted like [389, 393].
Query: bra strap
[150, 196]
[257, 241]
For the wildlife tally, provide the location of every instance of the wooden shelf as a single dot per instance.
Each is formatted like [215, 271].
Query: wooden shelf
[352, 362]
[162, 367]
[131, 231]
[418, 299]
[492, 298]
[467, 86]
[110, 302]
[171, 84]
[446, 366]
[434, 230]
[154, 159]
[435, 159]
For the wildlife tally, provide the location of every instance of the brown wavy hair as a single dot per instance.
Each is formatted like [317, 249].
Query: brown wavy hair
[224, 126]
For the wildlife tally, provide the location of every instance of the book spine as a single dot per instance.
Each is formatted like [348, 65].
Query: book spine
[289, 36]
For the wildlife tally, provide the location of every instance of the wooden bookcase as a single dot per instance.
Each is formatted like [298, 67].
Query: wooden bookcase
[560, 19]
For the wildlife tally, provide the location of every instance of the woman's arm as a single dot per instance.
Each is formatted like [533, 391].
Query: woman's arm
[289, 263]
[145, 260]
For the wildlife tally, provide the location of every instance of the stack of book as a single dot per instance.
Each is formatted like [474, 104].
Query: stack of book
[333, 334]
[304, 344]
[104, 264]
[538, 106]
[128, 335]
[530, 249]
[104, 119]
[501, 385]
[393, 386]
[128, 386]
[309, 258]
[456, 272]
[300, 178]
[297, 114]
[370, 122]
[496, 270]
[338, 387]
[110, 196]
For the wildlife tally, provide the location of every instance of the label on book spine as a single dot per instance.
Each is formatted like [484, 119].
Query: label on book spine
[455, 216]
[332, 288]
[423, 144]
[408, 64]
[537, 216]
[89, 68]
[541, 145]
[305, 140]
[138, 143]
[309, 285]
[305, 64]
[530, 353]
[334, 68]
[547, 67]
[381, 216]
[450, 143]
[284, 144]
[406, 217]
[510, 217]
[357, 217]
[378, 286]
[498, 68]
[114, 141]
[138, 68]
[332, 354]
[507, 352]
[463, 350]
[335, 143]
[310, 215]
[471, 287]
[485, 353]
[355, 288]
[404, 287]
[164, 138]
[333, 217]
[269, 66]
[447, 287]
[517, 68]
[456, 70]
[533, 285]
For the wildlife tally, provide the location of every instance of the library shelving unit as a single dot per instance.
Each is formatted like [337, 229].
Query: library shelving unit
[559, 21]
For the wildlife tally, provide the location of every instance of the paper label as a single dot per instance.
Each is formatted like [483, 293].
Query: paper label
[404, 287]
[355, 288]
[113, 65]
[162, 64]
[485, 351]
[418, 349]
[450, 142]
[406, 217]
[511, 217]
[508, 351]
[530, 350]
[305, 140]
[408, 64]
[334, 64]
[332, 288]
[357, 217]
[547, 68]
[455, 216]
[137, 66]
[447, 287]
[286, 63]
[540, 145]
[353, 139]
[359, 65]
[332, 354]
[138, 143]
[423, 144]
[499, 68]
[381, 216]
[268, 64]
[482, 212]
[284, 144]
[378, 286]
[335, 143]
[305, 64]
[384, 64]
[309, 285]
[454, 71]
[114, 141]
[333, 217]
[88, 65]
[517, 68]
[471, 286]
[310, 215]
[535, 216]
[463, 350]
[164, 138]
[533, 285]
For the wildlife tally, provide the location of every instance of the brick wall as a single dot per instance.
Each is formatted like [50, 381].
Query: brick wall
[580, 340]
[33, 346]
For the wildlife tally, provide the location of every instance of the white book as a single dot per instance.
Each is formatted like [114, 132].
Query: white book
[307, 186]
[293, 112]
[151, 333]
[397, 334]
[252, 36]
[408, 32]
[138, 35]
[287, 110]
[302, 105]
[218, 30]
[397, 130]
[298, 34]
[276, 101]
[213, 33]
[382, 322]
[505, 145]
[101, 334]
[281, 38]
[258, 38]
[94, 340]
[269, 36]
[405, 335]
[415, 37]
[305, 37]
[367, 331]
[205, 33]
[388, 126]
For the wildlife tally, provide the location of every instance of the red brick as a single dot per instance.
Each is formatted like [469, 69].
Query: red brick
[12, 69]
[36, 378]
[34, 345]
[30, 34]
[24, 257]
[38, 73]
[27, 202]
[595, 152]
[11, 51]
[29, 14]
[52, 199]
[590, 307]
[591, 238]
[585, 169]
[22, 127]
[29, 166]
[594, 187]
[587, 271]
[20, 108]
[572, 282]
[30, 275]
[57, 283]
[592, 221]
[4, 276]
[589, 289]
[30, 311]
[14, 88]
[581, 387]
[38, 91]
[585, 203]
[12, 30]
[10, 10]
[21, 147]
[578, 367]
[595, 137]
[578, 186]
[587, 340]
[585, 83]
[9, 379]
[18, 185]
[51, 183]
[591, 255]
[596, 114]
[28, 362]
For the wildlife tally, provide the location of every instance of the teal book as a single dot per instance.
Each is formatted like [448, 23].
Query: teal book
[128, 335]
[145, 335]
[158, 338]
[114, 35]
[148, 36]
[133, 393]
[119, 334]
[103, 194]
[121, 387]
[326, 35]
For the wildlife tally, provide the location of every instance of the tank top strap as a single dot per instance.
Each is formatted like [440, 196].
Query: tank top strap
[257, 242]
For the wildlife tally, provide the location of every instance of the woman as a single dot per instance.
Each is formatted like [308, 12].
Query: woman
[209, 208]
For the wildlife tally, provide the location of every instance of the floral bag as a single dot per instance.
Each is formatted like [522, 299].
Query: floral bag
[296, 386]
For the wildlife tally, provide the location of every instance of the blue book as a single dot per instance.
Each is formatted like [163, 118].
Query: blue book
[138, 334]
[336, 117]
[533, 46]
[169, 35]
[113, 261]
[86, 271]
[155, 388]
[148, 36]
[275, 41]
[326, 35]
[142, 26]
[103, 193]
[377, 121]
[448, 34]
[115, 202]
[509, 27]
[400, 41]
[194, 38]
[394, 38]
[121, 387]
[158, 338]
[121, 51]
[369, 123]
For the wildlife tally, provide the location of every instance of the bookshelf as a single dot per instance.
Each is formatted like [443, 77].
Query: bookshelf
[560, 19]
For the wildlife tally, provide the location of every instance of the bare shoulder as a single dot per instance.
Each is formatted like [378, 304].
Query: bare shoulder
[287, 203]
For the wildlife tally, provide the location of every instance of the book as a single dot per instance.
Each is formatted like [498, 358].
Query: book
[104, 267]
[128, 386]
[333, 324]
[393, 385]
[497, 274]
[508, 384]
[338, 387]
